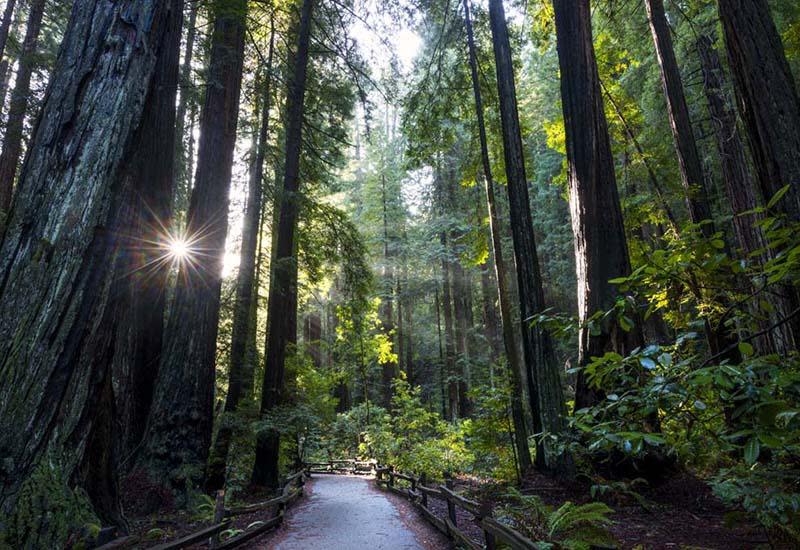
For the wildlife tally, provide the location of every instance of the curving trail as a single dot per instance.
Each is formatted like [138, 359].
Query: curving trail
[348, 513]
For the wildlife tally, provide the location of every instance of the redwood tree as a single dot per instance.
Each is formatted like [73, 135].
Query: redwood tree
[547, 399]
[601, 250]
[689, 161]
[282, 308]
[510, 339]
[179, 430]
[767, 97]
[56, 334]
[18, 108]
[242, 363]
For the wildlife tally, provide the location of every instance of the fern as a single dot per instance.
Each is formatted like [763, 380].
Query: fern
[571, 526]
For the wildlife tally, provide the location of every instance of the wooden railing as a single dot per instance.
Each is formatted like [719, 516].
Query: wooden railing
[419, 492]
[343, 466]
[291, 490]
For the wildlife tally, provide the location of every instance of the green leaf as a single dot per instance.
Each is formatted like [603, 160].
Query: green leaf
[745, 349]
[777, 196]
[647, 363]
[751, 451]
[699, 405]
[618, 280]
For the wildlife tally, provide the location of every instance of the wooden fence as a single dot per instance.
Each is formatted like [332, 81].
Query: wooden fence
[291, 490]
[363, 467]
[418, 493]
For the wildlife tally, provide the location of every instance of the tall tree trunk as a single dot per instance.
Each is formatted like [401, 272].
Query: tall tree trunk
[491, 322]
[282, 309]
[57, 305]
[547, 398]
[387, 303]
[242, 367]
[442, 360]
[408, 329]
[767, 97]
[179, 431]
[601, 249]
[449, 372]
[5, 26]
[461, 302]
[512, 348]
[142, 262]
[183, 166]
[740, 186]
[18, 108]
[688, 158]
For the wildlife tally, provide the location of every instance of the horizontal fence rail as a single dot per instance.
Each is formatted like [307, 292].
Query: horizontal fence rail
[291, 490]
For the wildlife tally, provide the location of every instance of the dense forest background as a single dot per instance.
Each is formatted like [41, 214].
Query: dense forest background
[547, 240]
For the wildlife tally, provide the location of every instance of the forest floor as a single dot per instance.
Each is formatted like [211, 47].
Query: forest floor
[680, 513]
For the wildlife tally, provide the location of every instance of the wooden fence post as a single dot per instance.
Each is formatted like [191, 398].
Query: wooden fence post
[451, 508]
[422, 479]
[219, 515]
[487, 512]
[391, 476]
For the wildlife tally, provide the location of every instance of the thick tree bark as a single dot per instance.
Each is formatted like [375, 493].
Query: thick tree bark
[767, 97]
[18, 108]
[282, 309]
[142, 263]
[547, 399]
[512, 348]
[242, 366]
[601, 250]
[688, 157]
[740, 187]
[179, 431]
[5, 26]
[183, 166]
[57, 304]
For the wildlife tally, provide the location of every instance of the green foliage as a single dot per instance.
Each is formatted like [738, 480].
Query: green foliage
[413, 439]
[570, 526]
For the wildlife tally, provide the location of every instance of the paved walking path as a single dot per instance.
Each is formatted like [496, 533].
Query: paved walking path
[346, 513]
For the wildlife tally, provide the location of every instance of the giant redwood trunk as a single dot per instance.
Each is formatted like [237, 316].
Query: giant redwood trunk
[282, 309]
[56, 276]
[242, 366]
[601, 250]
[18, 108]
[767, 96]
[547, 396]
[141, 263]
[689, 161]
[179, 430]
[512, 349]
[740, 187]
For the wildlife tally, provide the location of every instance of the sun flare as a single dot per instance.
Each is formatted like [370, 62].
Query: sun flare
[179, 249]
